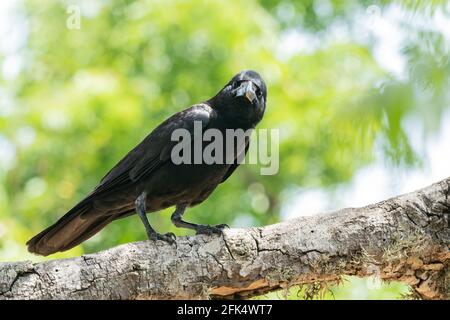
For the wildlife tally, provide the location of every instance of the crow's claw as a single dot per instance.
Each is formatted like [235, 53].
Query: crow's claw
[167, 237]
[209, 229]
[222, 226]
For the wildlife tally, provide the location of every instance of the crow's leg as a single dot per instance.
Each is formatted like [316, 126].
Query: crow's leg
[151, 233]
[199, 228]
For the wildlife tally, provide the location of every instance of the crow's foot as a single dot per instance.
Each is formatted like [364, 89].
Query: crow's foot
[205, 229]
[167, 237]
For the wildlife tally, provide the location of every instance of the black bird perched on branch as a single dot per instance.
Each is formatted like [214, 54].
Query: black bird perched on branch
[147, 180]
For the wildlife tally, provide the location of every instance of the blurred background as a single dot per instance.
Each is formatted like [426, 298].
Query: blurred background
[358, 89]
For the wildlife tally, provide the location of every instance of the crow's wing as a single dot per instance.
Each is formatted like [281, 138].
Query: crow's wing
[159, 146]
[234, 166]
[154, 150]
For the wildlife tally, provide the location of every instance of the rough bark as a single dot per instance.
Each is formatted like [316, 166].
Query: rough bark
[405, 239]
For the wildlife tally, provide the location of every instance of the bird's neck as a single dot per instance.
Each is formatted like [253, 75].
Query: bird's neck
[232, 117]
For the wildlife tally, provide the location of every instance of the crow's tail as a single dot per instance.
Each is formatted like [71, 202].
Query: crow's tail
[77, 225]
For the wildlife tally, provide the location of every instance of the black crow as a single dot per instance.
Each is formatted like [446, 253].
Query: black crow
[148, 180]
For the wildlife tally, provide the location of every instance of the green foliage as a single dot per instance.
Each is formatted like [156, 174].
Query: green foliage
[352, 288]
[83, 98]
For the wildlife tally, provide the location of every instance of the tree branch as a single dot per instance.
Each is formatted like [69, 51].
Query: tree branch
[404, 239]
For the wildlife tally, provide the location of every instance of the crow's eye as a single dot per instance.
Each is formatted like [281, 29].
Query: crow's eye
[235, 85]
[258, 92]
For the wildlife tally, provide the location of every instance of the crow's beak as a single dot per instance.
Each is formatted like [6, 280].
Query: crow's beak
[246, 89]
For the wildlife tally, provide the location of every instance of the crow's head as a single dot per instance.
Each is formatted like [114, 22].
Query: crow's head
[243, 99]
